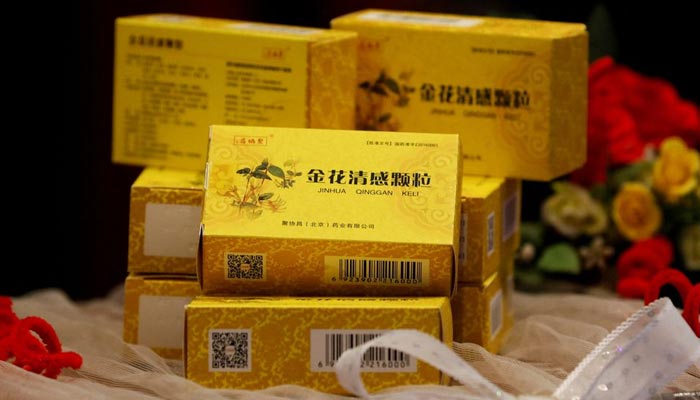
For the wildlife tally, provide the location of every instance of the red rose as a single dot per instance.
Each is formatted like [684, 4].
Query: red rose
[613, 136]
[640, 262]
[626, 112]
[661, 113]
[633, 288]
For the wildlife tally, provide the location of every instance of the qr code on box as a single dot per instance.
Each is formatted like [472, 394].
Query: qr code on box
[229, 350]
[245, 266]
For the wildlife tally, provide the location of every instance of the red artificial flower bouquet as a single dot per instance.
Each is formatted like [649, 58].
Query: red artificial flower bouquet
[635, 204]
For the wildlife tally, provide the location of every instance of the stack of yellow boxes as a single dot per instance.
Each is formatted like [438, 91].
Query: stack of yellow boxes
[164, 216]
[287, 231]
[283, 215]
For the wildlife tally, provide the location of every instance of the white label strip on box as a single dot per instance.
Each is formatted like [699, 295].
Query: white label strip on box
[171, 230]
[162, 321]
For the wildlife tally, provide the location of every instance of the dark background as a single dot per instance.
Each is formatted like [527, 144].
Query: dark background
[68, 213]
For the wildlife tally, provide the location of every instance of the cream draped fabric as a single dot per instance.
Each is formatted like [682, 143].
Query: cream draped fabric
[553, 333]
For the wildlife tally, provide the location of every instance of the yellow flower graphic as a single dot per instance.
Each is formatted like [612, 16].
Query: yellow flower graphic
[635, 212]
[676, 169]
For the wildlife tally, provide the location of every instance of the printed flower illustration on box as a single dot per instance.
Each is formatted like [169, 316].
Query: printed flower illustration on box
[635, 204]
[378, 97]
[259, 191]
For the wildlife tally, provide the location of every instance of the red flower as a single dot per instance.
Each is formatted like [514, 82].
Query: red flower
[661, 113]
[640, 262]
[626, 112]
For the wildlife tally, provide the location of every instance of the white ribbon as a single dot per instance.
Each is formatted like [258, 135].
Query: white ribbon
[639, 357]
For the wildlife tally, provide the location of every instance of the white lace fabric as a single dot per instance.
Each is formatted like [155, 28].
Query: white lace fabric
[641, 355]
[552, 335]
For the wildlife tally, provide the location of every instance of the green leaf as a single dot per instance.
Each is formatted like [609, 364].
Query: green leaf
[263, 165]
[382, 77]
[298, 174]
[384, 117]
[530, 278]
[364, 85]
[261, 175]
[392, 85]
[632, 172]
[265, 196]
[243, 171]
[600, 193]
[290, 172]
[276, 171]
[560, 258]
[379, 90]
[532, 232]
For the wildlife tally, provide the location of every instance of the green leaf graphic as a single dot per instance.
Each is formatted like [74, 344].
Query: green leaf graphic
[392, 85]
[261, 175]
[379, 90]
[265, 196]
[276, 171]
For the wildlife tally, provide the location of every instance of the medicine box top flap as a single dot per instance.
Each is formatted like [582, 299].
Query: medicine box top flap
[234, 27]
[458, 23]
[155, 178]
[438, 303]
[480, 186]
[364, 186]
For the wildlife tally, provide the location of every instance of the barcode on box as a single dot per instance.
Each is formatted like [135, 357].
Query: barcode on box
[510, 218]
[496, 313]
[229, 350]
[463, 240]
[377, 271]
[490, 233]
[327, 345]
[245, 266]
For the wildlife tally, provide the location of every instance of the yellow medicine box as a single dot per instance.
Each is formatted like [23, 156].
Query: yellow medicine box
[515, 90]
[154, 311]
[254, 343]
[479, 242]
[479, 314]
[507, 273]
[164, 218]
[330, 212]
[511, 205]
[490, 226]
[175, 75]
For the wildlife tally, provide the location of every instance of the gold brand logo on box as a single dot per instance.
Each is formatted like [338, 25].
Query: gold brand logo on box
[274, 53]
[250, 140]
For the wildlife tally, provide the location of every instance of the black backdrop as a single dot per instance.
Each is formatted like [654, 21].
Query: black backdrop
[67, 217]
